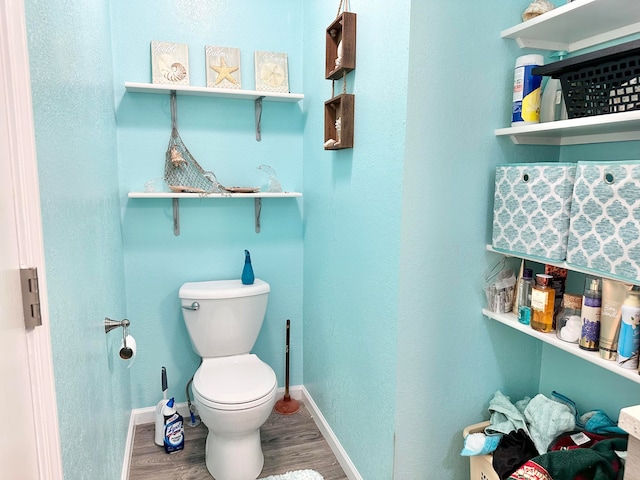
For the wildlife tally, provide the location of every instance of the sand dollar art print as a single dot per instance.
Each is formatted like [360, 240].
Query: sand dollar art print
[169, 63]
[271, 72]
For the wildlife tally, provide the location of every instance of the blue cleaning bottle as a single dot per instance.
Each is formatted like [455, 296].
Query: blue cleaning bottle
[247, 271]
[173, 428]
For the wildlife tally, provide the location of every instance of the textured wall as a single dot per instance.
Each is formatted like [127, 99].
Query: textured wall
[352, 233]
[71, 74]
[220, 135]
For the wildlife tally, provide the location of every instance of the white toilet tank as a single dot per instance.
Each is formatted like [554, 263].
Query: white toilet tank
[223, 317]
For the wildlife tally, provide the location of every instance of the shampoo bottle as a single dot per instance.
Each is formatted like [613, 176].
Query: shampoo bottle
[542, 303]
[552, 106]
[247, 271]
[173, 428]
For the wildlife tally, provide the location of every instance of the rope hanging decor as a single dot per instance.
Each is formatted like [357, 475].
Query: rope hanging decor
[182, 172]
[345, 4]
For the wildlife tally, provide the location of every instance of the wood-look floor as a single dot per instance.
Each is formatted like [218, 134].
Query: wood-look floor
[289, 442]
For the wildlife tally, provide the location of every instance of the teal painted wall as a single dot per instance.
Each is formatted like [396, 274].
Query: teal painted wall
[352, 233]
[72, 86]
[220, 134]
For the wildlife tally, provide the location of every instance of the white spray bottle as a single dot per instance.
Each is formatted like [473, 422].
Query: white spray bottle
[552, 105]
[159, 433]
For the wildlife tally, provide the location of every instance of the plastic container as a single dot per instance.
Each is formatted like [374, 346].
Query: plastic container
[173, 428]
[481, 466]
[569, 321]
[552, 106]
[526, 90]
[525, 287]
[629, 340]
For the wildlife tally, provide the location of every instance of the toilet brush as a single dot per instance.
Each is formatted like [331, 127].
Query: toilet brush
[287, 405]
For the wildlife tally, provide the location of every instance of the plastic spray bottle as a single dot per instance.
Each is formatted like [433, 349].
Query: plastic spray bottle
[247, 272]
[173, 428]
[552, 106]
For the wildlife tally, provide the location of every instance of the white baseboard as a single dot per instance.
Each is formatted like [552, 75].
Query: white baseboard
[140, 416]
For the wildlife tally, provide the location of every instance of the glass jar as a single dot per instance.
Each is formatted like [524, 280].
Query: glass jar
[569, 321]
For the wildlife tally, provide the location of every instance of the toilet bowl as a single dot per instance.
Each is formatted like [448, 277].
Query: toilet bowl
[235, 396]
[233, 389]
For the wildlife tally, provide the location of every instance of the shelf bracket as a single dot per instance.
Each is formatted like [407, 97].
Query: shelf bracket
[258, 118]
[176, 216]
[257, 202]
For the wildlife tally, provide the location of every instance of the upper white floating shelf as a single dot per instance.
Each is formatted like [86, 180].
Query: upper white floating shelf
[213, 92]
[212, 195]
[577, 25]
[613, 127]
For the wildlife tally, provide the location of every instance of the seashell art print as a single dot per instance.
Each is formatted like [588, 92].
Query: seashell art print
[169, 63]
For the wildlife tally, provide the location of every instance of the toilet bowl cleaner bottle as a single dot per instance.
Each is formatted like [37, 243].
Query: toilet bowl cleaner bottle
[173, 428]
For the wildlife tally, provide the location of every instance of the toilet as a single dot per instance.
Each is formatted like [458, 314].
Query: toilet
[233, 389]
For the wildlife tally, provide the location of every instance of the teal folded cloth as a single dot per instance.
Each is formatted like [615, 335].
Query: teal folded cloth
[547, 419]
[594, 421]
[505, 416]
[480, 444]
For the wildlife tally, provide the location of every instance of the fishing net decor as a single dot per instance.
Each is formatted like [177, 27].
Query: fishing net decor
[182, 173]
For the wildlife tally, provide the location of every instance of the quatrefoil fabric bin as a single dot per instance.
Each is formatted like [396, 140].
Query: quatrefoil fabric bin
[531, 209]
[605, 219]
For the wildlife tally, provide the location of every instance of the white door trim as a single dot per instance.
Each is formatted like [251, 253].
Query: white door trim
[14, 63]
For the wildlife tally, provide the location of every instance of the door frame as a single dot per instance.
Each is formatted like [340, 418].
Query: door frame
[16, 97]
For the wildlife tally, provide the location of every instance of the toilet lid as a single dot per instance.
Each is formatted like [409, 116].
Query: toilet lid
[235, 379]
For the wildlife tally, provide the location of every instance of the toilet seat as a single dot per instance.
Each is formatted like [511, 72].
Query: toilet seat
[237, 382]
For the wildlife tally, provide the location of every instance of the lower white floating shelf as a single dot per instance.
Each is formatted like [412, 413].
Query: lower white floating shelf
[510, 320]
[257, 198]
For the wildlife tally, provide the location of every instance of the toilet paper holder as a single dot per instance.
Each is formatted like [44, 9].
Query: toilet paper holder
[126, 352]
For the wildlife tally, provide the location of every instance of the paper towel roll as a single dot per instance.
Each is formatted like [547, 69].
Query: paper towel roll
[131, 343]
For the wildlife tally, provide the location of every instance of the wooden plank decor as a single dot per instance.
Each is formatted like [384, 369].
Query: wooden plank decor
[339, 135]
[340, 56]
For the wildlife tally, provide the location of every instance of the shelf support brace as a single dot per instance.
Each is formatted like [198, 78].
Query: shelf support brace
[258, 118]
[176, 216]
[257, 202]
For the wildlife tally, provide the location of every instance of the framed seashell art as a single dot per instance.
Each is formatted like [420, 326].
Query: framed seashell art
[169, 63]
[223, 67]
[272, 72]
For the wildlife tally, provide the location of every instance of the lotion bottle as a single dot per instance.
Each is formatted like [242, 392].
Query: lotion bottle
[247, 272]
[591, 309]
[542, 303]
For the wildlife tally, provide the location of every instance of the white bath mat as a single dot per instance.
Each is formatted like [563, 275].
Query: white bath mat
[296, 475]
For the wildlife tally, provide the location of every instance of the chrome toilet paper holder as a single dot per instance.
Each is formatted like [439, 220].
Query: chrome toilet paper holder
[125, 352]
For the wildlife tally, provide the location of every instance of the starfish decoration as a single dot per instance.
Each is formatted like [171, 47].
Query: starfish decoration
[224, 72]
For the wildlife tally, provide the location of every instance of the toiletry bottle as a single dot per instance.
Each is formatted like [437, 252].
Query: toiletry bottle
[173, 428]
[629, 340]
[247, 271]
[542, 301]
[591, 307]
[569, 321]
[552, 106]
[524, 296]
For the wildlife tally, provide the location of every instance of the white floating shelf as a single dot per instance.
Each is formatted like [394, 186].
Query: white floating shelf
[175, 197]
[577, 25]
[213, 92]
[613, 127]
[510, 320]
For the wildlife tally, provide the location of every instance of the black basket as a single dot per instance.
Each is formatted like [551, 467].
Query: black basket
[597, 83]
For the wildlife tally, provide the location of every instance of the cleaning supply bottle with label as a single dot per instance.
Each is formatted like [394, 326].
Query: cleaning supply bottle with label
[591, 309]
[552, 106]
[159, 428]
[173, 428]
[247, 272]
[526, 90]
[542, 304]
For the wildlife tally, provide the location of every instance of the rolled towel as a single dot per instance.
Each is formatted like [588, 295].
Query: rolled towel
[480, 444]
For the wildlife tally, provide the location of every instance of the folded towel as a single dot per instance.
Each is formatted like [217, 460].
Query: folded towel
[547, 419]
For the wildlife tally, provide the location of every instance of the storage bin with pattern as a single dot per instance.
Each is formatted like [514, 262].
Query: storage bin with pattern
[532, 204]
[604, 234]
